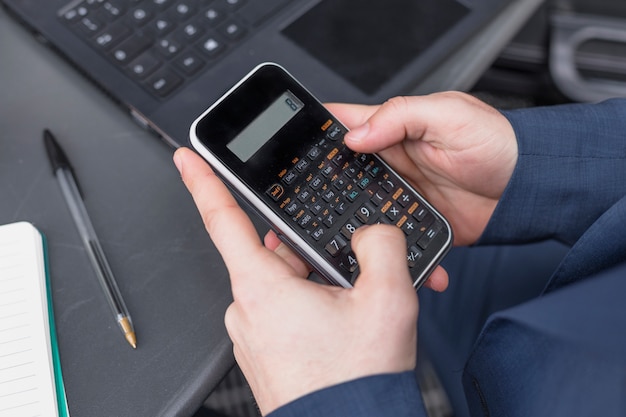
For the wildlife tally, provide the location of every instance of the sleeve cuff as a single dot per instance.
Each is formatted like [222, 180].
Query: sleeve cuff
[395, 395]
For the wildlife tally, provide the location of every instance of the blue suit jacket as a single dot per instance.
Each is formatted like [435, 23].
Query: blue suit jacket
[563, 353]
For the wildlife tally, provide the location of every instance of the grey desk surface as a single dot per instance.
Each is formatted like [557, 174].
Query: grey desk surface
[172, 279]
[170, 274]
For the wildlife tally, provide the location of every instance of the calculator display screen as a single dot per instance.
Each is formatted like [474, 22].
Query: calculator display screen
[265, 126]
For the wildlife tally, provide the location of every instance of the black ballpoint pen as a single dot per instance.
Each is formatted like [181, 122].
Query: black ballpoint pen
[64, 173]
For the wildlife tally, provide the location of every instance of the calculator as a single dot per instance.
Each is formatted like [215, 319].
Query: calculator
[278, 148]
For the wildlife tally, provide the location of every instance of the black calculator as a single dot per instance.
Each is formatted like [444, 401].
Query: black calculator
[281, 151]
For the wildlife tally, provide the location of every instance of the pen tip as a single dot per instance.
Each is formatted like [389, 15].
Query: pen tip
[132, 340]
[129, 332]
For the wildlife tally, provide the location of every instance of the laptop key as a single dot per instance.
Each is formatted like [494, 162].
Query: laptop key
[112, 36]
[232, 30]
[74, 14]
[140, 16]
[189, 32]
[212, 16]
[89, 25]
[168, 47]
[183, 10]
[112, 9]
[149, 39]
[130, 48]
[212, 46]
[163, 82]
[189, 63]
[144, 65]
[160, 26]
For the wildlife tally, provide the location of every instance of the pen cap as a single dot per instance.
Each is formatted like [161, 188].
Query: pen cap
[57, 157]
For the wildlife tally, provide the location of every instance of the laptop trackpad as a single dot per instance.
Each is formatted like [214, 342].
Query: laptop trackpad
[368, 42]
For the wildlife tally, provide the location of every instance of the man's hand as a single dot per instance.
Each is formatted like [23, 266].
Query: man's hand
[456, 150]
[292, 336]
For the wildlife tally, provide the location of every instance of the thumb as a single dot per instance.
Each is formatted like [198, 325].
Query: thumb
[381, 253]
[396, 120]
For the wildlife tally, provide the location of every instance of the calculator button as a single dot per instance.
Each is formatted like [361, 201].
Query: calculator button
[408, 226]
[364, 182]
[413, 255]
[334, 132]
[329, 195]
[316, 208]
[363, 159]
[327, 170]
[349, 262]
[340, 183]
[290, 177]
[305, 220]
[339, 159]
[429, 235]
[304, 195]
[351, 171]
[314, 153]
[335, 245]
[365, 213]
[275, 191]
[377, 198]
[393, 212]
[318, 233]
[292, 208]
[374, 171]
[330, 220]
[388, 185]
[420, 213]
[349, 228]
[404, 199]
[302, 164]
[341, 207]
[352, 195]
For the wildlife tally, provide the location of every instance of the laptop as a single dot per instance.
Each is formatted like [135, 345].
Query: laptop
[166, 61]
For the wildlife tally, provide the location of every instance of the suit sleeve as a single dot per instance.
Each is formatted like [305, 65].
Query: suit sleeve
[395, 395]
[571, 168]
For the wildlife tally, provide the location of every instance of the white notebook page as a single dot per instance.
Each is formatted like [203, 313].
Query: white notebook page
[26, 369]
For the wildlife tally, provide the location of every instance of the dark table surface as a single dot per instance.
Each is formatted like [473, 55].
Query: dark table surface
[172, 279]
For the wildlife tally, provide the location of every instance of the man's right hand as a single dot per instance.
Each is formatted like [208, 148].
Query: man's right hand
[456, 150]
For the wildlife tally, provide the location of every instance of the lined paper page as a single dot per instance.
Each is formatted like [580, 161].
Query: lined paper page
[26, 370]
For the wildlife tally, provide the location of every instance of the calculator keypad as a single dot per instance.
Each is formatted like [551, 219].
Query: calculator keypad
[330, 191]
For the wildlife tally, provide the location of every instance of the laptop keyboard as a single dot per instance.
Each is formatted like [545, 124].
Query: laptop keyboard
[162, 44]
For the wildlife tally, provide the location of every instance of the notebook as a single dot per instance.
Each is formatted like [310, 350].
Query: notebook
[165, 61]
[30, 374]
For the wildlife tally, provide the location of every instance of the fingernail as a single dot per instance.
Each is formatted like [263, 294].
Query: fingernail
[178, 162]
[357, 135]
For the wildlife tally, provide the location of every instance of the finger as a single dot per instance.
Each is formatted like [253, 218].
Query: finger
[351, 115]
[229, 227]
[438, 280]
[381, 252]
[273, 243]
[271, 240]
[396, 120]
